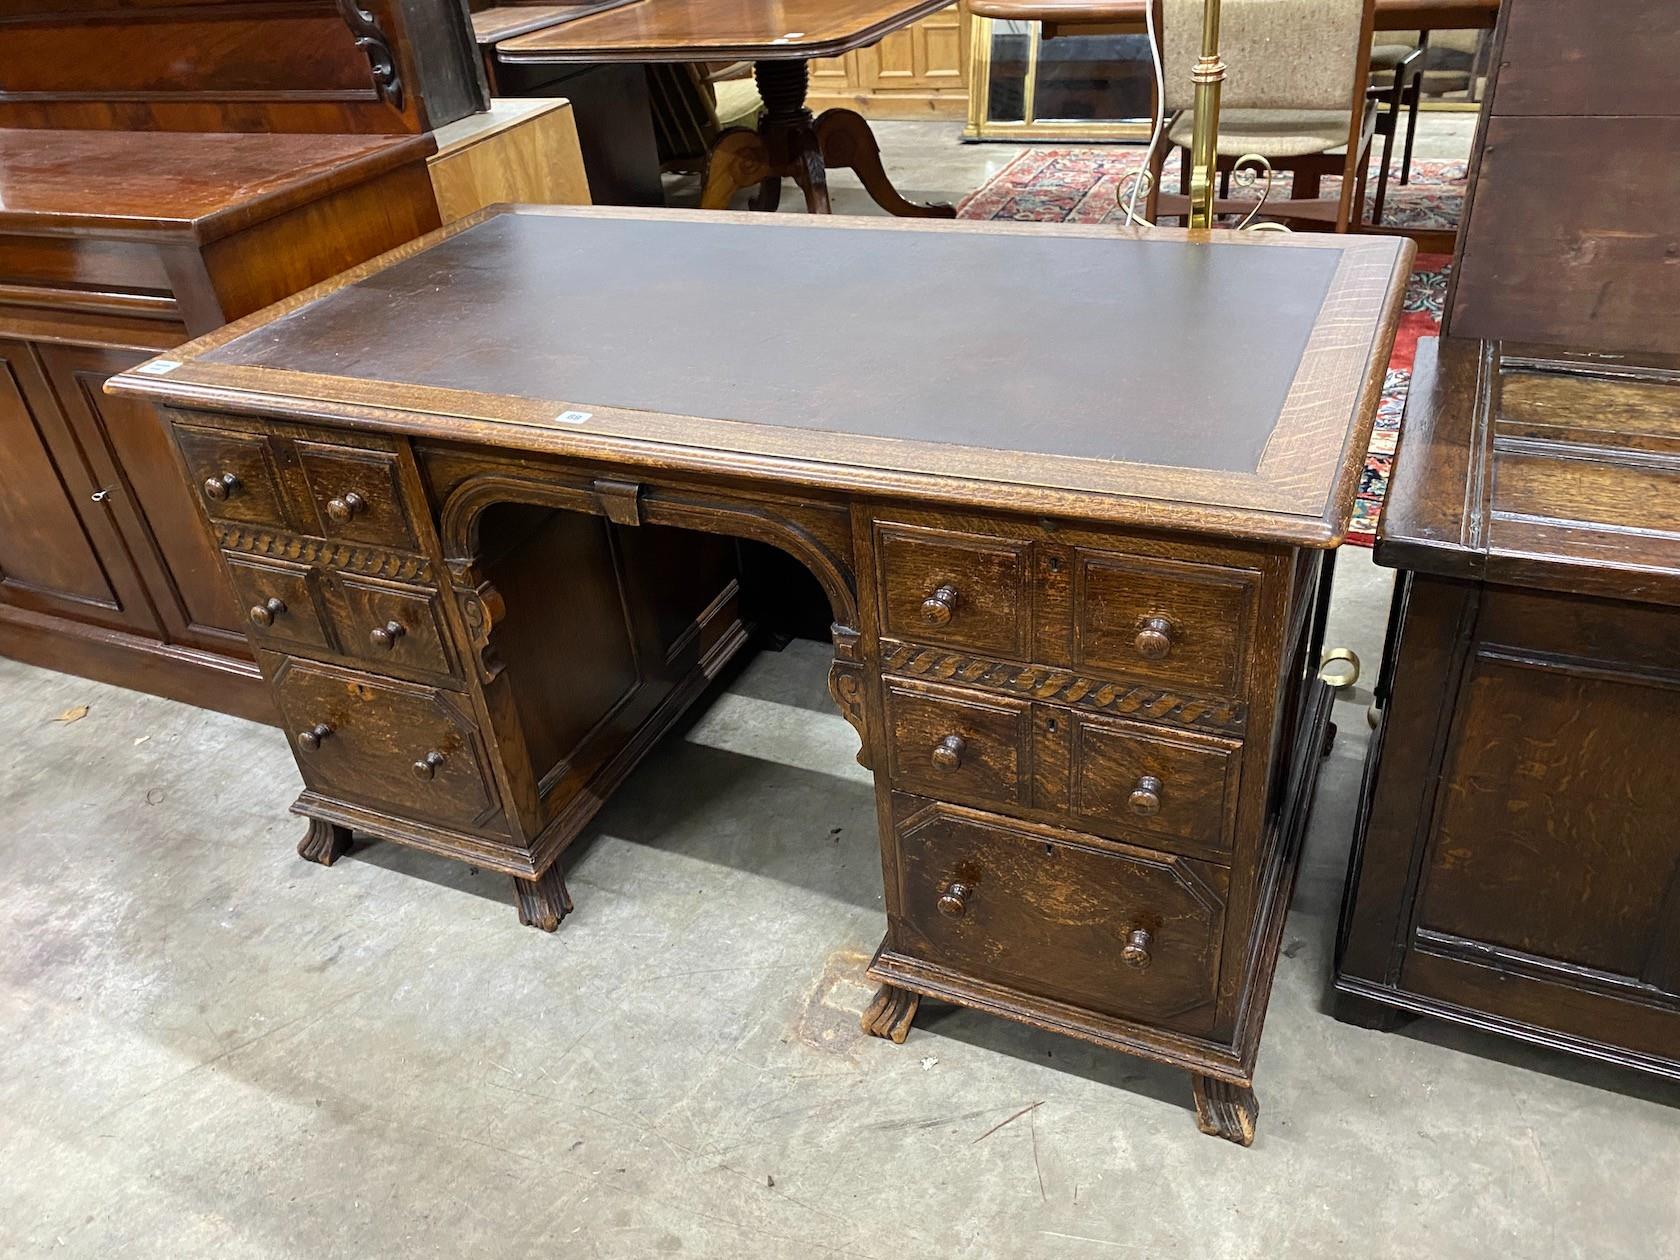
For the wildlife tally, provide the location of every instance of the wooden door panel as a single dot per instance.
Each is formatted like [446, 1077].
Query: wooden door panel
[59, 552]
[131, 450]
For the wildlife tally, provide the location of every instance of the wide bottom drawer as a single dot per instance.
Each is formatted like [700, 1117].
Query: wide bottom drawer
[1115, 929]
[405, 748]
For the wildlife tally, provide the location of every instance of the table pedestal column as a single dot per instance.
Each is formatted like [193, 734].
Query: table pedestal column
[792, 144]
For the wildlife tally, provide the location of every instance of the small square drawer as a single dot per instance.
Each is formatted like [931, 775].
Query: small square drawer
[1170, 622]
[1141, 781]
[955, 589]
[406, 748]
[958, 745]
[356, 493]
[1124, 931]
[233, 474]
[280, 603]
[388, 625]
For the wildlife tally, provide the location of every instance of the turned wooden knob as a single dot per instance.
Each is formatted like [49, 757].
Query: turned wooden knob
[938, 607]
[263, 614]
[346, 507]
[428, 766]
[1146, 796]
[1154, 638]
[953, 902]
[311, 739]
[1136, 952]
[386, 636]
[947, 753]
[220, 489]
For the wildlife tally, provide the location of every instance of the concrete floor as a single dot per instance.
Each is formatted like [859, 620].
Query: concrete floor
[210, 1047]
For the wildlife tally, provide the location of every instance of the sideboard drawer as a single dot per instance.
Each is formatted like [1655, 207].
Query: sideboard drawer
[279, 603]
[410, 749]
[1171, 622]
[958, 745]
[1105, 926]
[388, 625]
[357, 494]
[234, 475]
[955, 589]
[1130, 779]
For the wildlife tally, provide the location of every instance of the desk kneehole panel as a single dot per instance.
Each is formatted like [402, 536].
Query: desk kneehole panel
[403, 747]
[1107, 927]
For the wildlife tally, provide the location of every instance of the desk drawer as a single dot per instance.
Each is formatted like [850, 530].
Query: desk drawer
[958, 745]
[279, 604]
[1103, 926]
[356, 494]
[234, 474]
[403, 747]
[1173, 623]
[955, 589]
[1133, 780]
[391, 626]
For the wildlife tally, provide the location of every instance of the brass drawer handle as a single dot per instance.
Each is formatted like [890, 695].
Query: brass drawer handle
[311, 739]
[263, 614]
[947, 753]
[427, 767]
[1154, 638]
[938, 607]
[1136, 952]
[1146, 796]
[346, 507]
[221, 489]
[953, 902]
[386, 636]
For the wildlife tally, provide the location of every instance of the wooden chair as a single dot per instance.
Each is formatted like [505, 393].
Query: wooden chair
[1396, 85]
[1294, 93]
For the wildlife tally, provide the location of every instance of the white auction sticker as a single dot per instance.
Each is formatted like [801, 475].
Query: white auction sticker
[573, 417]
[158, 367]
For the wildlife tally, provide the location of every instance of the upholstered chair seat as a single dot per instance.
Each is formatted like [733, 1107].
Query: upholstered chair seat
[1276, 133]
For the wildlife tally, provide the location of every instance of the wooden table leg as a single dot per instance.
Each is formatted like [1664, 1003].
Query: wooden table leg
[738, 160]
[848, 143]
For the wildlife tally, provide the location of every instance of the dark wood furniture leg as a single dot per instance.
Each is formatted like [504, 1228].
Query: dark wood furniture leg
[543, 902]
[792, 144]
[1225, 1109]
[890, 1013]
[324, 842]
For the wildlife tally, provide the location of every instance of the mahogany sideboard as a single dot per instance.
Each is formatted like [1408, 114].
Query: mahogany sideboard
[1076, 608]
[1517, 861]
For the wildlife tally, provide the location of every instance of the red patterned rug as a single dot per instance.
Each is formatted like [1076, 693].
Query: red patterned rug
[1053, 185]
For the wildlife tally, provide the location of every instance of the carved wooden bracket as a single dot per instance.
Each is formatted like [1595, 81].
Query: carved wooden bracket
[845, 684]
[376, 47]
[482, 607]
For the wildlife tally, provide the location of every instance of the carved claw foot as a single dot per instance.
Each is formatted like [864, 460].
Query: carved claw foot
[543, 901]
[324, 842]
[890, 1013]
[1225, 1110]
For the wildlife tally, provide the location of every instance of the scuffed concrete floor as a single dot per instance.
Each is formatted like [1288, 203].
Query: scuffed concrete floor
[210, 1047]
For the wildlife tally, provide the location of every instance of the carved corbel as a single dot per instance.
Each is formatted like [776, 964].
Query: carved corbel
[482, 608]
[376, 47]
[845, 684]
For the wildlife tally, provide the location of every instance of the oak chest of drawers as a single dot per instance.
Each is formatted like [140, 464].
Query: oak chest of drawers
[1078, 651]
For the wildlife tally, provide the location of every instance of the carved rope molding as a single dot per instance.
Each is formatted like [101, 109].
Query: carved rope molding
[376, 47]
[367, 561]
[1040, 682]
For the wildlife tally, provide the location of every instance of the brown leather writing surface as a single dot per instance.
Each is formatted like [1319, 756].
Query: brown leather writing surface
[1113, 348]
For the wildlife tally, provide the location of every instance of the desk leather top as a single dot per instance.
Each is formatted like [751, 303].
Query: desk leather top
[1022, 365]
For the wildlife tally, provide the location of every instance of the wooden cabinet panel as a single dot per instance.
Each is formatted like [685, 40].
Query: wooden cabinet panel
[131, 447]
[59, 550]
[918, 72]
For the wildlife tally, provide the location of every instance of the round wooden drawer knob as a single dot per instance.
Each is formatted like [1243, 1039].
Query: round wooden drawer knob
[386, 636]
[346, 507]
[938, 607]
[263, 614]
[311, 739]
[1154, 638]
[428, 766]
[947, 753]
[1146, 796]
[1136, 952]
[221, 489]
[953, 902]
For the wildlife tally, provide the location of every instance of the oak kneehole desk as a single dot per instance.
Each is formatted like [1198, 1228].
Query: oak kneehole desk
[1073, 524]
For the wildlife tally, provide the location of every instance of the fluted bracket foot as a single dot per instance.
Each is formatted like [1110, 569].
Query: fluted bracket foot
[324, 842]
[543, 902]
[1225, 1110]
[890, 1013]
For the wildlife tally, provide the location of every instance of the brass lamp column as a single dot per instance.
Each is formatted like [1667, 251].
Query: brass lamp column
[1208, 74]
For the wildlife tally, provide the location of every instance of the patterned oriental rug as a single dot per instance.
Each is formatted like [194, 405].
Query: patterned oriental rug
[1053, 185]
